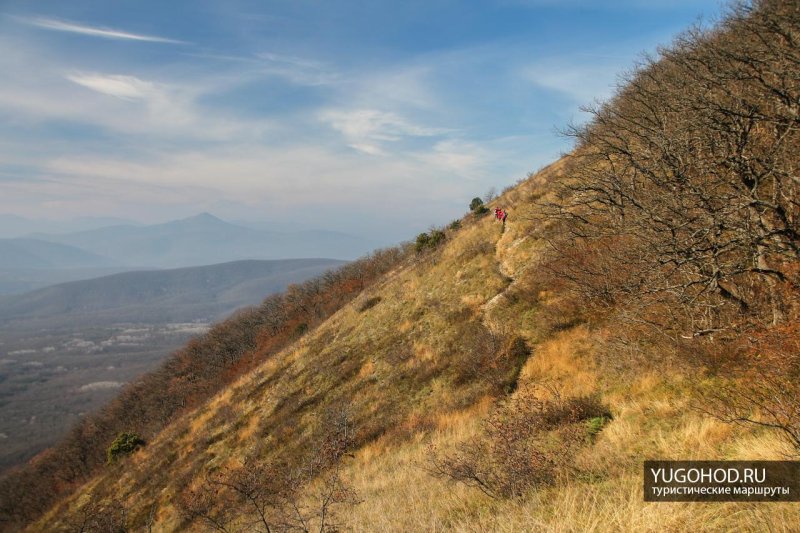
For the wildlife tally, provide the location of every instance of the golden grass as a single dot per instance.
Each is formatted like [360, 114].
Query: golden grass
[652, 415]
[652, 419]
[562, 362]
[249, 430]
[650, 422]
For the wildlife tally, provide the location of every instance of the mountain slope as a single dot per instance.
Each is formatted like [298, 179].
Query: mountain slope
[22, 280]
[181, 295]
[40, 254]
[205, 239]
[641, 302]
[416, 363]
[12, 226]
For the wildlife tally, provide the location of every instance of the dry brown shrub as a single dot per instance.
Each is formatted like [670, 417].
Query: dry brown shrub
[526, 442]
[765, 389]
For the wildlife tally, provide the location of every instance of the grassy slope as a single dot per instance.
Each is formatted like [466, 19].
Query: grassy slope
[394, 363]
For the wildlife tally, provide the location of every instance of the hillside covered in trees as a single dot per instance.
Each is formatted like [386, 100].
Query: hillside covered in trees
[641, 302]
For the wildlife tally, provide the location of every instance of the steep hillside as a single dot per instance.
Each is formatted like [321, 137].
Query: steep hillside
[641, 302]
[414, 366]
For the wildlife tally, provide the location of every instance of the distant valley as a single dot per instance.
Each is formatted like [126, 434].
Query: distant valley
[68, 348]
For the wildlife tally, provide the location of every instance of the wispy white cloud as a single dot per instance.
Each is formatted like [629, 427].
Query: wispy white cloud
[465, 158]
[367, 129]
[125, 87]
[398, 86]
[579, 78]
[106, 33]
[154, 106]
[292, 60]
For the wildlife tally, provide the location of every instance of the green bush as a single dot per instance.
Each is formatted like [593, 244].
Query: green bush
[422, 242]
[429, 240]
[477, 207]
[437, 237]
[455, 225]
[124, 444]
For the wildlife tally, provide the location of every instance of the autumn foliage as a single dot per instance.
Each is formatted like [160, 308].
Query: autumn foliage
[185, 380]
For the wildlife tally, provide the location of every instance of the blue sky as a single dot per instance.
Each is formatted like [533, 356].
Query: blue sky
[371, 117]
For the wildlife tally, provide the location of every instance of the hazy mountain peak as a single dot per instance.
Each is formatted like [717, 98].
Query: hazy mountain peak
[205, 216]
[205, 219]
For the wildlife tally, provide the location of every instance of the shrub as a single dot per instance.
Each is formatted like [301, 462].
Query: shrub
[99, 517]
[124, 444]
[477, 207]
[300, 330]
[455, 225]
[308, 493]
[369, 303]
[525, 444]
[437, 237]
[429, 240]
[766, 391]
[422, 241]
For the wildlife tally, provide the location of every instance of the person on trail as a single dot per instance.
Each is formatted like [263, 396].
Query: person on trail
[497, 213]
[505, 216]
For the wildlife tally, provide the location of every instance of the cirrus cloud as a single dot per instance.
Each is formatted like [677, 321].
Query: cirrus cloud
[106, 33]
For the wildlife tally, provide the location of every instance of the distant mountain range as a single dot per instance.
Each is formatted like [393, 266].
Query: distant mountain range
[42, 259]
[40, 254]
[12, 226]
[205, 239]
[177, 295]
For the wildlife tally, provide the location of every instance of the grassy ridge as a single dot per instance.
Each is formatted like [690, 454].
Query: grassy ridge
[514, 377]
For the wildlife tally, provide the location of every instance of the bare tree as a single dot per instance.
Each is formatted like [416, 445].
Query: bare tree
[687, 179]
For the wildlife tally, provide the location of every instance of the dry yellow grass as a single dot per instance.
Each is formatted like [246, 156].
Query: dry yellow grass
[378, 360]
[562, 362]
[400, 495]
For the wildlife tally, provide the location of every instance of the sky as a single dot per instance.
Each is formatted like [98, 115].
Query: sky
[377, 118]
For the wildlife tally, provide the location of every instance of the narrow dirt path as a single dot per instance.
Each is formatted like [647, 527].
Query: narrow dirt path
[506, 269]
